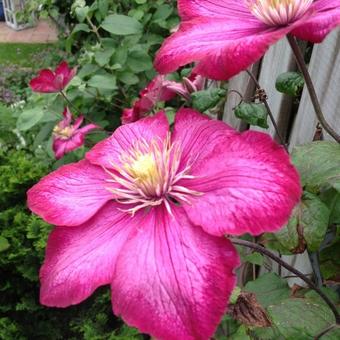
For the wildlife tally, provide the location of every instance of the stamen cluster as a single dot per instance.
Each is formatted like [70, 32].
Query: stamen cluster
[278, 12]
[148, 175]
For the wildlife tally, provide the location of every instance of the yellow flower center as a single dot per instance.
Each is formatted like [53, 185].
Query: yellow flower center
[149, 174]
[63, 133]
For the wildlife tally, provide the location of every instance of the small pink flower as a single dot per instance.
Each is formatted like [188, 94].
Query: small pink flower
[155, 92]
[49, 81]
[161, 89]
[226, 36]
[147, 211]
[190, 84]
[68, 137]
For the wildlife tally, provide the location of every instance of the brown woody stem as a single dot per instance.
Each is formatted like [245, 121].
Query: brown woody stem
[258, 248]
[309, 83]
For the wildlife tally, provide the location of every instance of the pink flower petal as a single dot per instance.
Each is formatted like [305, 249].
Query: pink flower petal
[129, 115]
[248, 186]
[125, 137]
[199, 136]
[80, 259]
[44, 82]
[325, 16]
[189, 9]
[221, 47]
[66, 73]
[70, 195]
[173, 280]
[67, 117]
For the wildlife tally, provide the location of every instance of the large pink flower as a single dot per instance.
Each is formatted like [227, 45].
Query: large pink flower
[147, 211]
[226, 36]
[67, 136]
[49, 81]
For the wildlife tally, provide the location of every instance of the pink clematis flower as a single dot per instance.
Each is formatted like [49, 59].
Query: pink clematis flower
[68, 137]
[226, 36]
[53, 81]
[161, 89]
[155, 92]
[147, 211]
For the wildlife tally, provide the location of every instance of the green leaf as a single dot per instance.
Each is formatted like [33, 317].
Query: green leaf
[139, 61]
[206, 99]
[4, 244]
[121, 25]
[254, 258]
[287, 237]
[81, 13]
[80, 27]
[252, 113]
[301, 319]
[290, 83]
[163, 12]
[105, 82]
[128, 78]
[269, 289]
[103, 57]
[314, 220]
[29, 118]
[306, 227]
[318, 164]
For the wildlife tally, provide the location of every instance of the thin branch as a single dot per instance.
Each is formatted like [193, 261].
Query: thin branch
[284, 264]
[309, 83]
[270, 113]
[93, 27]
[325, 331]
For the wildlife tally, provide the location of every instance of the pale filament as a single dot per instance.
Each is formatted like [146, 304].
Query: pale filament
[148, 174]
[278, 12]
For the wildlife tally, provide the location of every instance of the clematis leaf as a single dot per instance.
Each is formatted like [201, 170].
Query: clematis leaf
[269, 289]
[206, 99]
[306, 227]
[29, 118]
[254, 258]
[252, 113]
[318, 164]
[121, 25]
[316, 317]
[290, 83]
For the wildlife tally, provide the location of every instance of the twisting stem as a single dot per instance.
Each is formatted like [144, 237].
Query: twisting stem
[271, 116]
[284, 264]
[302, 66]
[93, 27]
[325, 331]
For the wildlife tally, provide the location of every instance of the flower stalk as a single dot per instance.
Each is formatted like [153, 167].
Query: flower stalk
[309, 83]
[258, 248]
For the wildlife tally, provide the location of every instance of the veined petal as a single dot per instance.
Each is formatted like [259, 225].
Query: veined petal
[125, 137]
[44, 82]
[80, 259]
[173, 280]
[70, 195]
[199, 136]
[221, 47]
[325, 17]
[248, 186]
[66, 72]
[189, 9]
